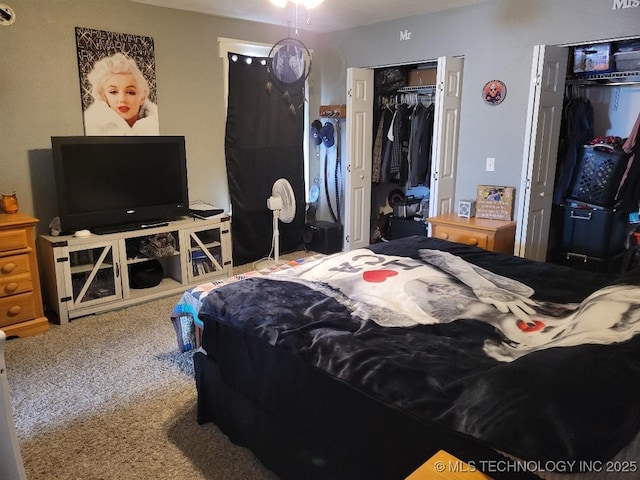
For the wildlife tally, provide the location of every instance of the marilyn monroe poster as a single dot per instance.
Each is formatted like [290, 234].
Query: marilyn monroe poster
[118, 83]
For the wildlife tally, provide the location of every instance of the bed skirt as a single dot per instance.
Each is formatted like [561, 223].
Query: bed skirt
[307, 438]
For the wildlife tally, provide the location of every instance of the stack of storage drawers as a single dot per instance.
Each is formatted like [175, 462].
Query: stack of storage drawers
[21, 311]
[590, 238]
[591, 231]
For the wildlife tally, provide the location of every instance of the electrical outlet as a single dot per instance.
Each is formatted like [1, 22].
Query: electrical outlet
[491, 164]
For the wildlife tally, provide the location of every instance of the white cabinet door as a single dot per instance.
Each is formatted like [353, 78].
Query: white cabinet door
[207, 252]
[544, 115]
[446, 128]
[91, 275]
[359, 132]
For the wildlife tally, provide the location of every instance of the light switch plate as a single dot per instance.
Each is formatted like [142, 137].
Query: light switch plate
[491, 164]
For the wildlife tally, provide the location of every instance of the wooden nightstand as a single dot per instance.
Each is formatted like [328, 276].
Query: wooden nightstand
[444, 466]
[494, 235]
[21, 311]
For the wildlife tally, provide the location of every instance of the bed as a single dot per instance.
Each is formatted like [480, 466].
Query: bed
[364, 364]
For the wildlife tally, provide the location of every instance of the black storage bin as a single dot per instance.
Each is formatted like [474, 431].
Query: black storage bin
[599, 173]
[405, 227]
[611, 264]
[596, 232]
[406, 208]
[323, 237]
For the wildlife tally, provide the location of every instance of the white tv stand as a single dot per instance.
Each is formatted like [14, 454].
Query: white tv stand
[87, 275]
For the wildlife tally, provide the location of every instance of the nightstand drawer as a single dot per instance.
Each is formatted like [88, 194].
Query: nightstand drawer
[13, 240]
[493, 235]
[17, 308]
[476, 239]
[14, 284]
[14, 265]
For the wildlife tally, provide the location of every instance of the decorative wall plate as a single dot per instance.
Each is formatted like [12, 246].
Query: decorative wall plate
[494, 92]
[7, 15]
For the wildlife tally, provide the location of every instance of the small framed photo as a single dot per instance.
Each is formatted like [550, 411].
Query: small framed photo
[467, 208]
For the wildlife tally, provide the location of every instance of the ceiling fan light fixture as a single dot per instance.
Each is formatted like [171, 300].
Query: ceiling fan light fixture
[308, 4]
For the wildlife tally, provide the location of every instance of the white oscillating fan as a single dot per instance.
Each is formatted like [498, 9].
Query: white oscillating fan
[283, 204]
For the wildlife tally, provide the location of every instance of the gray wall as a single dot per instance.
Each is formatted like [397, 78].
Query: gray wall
[40, 93]
[496, 39]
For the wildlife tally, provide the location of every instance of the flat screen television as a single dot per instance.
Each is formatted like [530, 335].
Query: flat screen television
[118, 183]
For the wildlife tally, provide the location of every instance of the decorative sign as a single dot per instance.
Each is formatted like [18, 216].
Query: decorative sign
[620, 4]
[494, 92]
[405, 35]
[494, 202]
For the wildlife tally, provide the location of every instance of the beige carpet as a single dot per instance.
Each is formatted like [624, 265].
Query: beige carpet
[269, 262]
[107, 397]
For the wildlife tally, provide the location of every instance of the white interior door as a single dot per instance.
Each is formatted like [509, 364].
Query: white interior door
[357, 175]
[546, 96]
[445, 135]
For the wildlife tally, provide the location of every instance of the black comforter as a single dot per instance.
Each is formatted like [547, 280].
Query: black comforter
[563, 404]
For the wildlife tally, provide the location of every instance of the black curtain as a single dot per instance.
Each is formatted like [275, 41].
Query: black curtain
[263, 142]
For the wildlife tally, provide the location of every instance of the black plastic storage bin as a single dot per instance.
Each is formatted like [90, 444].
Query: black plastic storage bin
[323, 237]
[613, 264]
[405, 227]
[599, 173]
[406, 208]
[591, 231]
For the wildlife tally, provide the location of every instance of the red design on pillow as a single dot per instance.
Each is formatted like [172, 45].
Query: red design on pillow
[378, 276]
[532, 326]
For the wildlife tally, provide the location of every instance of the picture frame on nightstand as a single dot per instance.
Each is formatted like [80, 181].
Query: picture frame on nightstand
[466, 208]
[495, 202]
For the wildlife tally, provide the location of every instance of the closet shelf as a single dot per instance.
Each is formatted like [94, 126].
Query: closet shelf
[417, 88]
[605, 79]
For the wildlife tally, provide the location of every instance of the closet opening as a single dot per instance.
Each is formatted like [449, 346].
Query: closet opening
[597, 177]
[403, 125]
[368, 204]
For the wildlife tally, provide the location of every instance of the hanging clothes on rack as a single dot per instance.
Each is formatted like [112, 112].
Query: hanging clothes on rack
[404, 130]
[629, 191]
[387, 149]
[400, 138]
[576, 129]
[384, 122]
[420, 144]
[376, 164]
